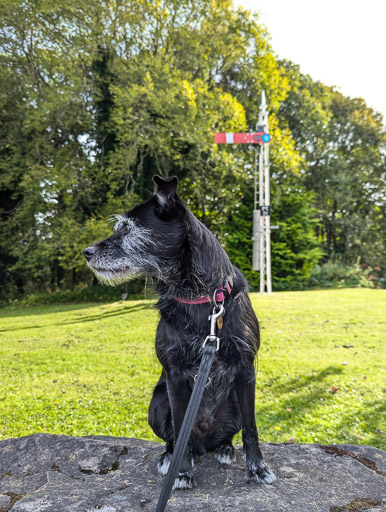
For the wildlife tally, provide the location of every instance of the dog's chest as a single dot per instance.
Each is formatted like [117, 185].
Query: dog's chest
[220, 382]
[188, 353]
[179, 348]
[184, 360]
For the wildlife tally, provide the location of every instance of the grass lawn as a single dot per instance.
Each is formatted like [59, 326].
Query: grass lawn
[90, 368]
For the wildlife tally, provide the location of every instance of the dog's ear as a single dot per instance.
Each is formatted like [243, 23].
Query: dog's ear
[165, 190]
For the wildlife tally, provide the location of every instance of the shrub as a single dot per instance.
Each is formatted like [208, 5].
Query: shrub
[95, 293]
[337, 274]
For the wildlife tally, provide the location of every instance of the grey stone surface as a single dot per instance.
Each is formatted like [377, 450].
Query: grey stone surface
[50, 473]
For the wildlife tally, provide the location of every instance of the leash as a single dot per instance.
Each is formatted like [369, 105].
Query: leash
[211, 346]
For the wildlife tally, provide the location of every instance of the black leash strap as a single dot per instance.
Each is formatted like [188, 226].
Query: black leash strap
[187, 424]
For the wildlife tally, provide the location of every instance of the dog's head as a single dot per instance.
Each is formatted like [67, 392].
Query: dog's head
[146, 239]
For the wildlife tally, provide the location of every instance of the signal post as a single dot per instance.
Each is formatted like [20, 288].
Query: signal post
[261, 254]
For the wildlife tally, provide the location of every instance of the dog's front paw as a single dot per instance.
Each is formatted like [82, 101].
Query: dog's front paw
[164, 463]
[184, 480]
[225, 454]
[259, 473]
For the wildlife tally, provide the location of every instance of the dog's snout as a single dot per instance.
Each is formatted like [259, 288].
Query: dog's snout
[89, 252]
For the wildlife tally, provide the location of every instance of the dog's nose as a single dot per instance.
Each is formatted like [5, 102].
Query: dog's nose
[89, 252]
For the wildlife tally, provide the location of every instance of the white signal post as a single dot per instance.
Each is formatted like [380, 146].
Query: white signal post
[261, 254]
[264, 212]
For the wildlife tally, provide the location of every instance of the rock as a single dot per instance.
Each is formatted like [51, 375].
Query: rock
[50, 473]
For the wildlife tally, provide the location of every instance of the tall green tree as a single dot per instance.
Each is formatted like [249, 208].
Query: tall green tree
[96, 97]
[342, 142]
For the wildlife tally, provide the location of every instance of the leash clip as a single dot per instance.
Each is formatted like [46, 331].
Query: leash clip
[218, 312]
[212, 338]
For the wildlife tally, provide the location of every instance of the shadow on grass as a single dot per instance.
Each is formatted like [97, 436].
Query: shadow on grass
[311, 392]
[373, 415]
[89, 318]
[43, 309]
[307, 392]
[108, 314]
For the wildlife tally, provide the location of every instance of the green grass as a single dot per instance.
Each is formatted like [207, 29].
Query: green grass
[90, 369]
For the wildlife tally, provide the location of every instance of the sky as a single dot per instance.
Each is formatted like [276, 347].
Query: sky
[339, 42]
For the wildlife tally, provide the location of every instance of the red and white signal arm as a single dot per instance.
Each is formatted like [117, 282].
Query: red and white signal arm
[242, 138]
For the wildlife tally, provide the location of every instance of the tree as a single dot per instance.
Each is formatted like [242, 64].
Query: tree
[96, 97]
[342, 142]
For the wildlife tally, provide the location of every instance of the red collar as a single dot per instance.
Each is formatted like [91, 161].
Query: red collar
[219, 296]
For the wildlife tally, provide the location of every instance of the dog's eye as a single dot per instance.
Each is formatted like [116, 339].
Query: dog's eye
[124, 230]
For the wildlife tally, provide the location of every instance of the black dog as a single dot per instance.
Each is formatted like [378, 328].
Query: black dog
[163, 239]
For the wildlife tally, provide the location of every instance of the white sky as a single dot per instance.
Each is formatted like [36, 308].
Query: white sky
[339, 42]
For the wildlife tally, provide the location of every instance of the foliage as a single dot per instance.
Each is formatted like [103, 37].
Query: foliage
[91, 369]
[295, 248]
[337, 274]
[96, 97]
[94, 293]
[342, 141]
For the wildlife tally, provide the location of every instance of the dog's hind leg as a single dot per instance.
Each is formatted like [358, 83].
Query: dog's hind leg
[225, 453]
[257, 470]
[160, 420]
[228, 423]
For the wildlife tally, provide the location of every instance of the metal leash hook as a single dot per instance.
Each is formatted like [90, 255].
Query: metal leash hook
[213, 322]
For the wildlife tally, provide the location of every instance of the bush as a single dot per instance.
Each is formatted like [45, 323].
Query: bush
[337, 274]
[95, 293]
[295, 247]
